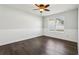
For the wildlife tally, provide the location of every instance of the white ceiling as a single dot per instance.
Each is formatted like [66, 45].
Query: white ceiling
[54, 8]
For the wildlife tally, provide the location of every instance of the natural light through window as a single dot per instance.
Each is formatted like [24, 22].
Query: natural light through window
[56, 24]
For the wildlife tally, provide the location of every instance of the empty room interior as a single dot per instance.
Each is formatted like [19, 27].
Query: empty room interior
[38, 29]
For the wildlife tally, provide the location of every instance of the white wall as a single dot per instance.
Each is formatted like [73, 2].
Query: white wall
[78, 30]
[70, 31]
[16, 25]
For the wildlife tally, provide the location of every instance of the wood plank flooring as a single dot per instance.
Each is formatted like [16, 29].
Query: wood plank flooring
[42, 45]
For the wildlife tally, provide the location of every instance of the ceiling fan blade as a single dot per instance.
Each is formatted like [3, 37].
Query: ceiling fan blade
[37, 5]
[46, 9]
[35, 9]
[47, 5]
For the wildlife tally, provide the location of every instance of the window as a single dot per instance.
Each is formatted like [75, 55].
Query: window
[56, 24]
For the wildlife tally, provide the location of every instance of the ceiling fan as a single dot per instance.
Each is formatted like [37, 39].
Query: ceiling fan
[42, 7]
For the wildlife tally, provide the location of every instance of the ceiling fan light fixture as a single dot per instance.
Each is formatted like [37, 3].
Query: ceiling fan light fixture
[42, 10]
[42, 7]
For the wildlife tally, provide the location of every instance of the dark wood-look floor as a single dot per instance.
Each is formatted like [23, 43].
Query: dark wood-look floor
[40, 46]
